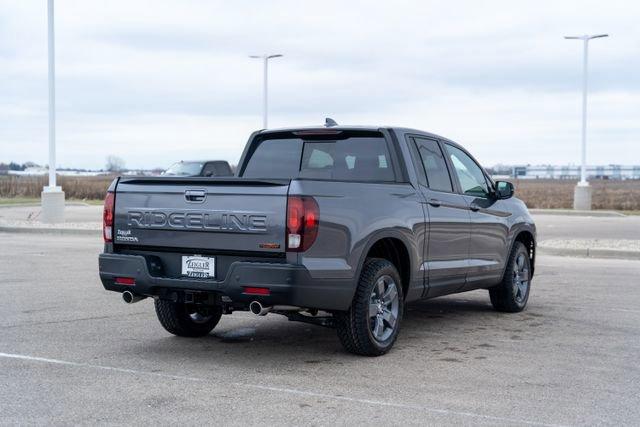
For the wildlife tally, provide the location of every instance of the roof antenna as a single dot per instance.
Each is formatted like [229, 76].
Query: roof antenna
[329, 122]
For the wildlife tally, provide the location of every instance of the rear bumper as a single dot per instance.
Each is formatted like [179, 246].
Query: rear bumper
[288, 284]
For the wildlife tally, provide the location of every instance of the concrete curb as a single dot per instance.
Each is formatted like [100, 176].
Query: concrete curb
[58, 231]
[589, 252]
[568, 212]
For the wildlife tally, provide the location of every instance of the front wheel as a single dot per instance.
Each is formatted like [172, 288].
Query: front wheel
[371, 325]
[187, 320]
[512, 294]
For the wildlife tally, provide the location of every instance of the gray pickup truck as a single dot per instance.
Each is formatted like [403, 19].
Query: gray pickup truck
[335, 226]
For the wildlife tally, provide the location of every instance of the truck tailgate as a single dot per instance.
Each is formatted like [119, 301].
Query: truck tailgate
[230, 214]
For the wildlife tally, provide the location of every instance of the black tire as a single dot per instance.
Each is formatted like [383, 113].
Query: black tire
[358, 331]
[511, 295]
[185, 320]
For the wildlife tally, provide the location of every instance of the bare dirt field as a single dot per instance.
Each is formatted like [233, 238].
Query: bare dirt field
[558, 194]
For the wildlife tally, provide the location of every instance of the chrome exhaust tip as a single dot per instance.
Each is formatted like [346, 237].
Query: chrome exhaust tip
[258, 309]
[131, 298]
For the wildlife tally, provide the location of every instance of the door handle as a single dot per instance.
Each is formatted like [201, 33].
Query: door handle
[474, 207]
[195, 196]
[435, 203]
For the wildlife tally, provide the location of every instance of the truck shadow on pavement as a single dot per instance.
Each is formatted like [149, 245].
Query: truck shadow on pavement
[449, 328]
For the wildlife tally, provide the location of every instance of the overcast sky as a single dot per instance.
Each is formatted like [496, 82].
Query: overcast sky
[158, 81]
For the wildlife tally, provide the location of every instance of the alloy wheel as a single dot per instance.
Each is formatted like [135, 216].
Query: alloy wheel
[520, 278]
[384, 306]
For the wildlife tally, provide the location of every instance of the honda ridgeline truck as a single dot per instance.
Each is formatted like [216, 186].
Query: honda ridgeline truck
[334, 226]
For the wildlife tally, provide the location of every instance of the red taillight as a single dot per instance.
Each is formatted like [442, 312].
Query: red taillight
[251, 290]
[303, 216]
[125, 281]
[107, 217]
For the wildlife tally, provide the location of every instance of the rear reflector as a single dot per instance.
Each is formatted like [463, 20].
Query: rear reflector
[255, 290]
[125, 281]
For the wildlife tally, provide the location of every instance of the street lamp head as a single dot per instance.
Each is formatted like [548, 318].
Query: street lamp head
[586, 37]
[265, 56]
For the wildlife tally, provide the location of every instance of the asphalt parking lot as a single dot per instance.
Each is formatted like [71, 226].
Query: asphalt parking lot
[72, 353]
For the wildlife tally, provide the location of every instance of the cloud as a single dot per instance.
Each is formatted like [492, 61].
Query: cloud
[158, 81]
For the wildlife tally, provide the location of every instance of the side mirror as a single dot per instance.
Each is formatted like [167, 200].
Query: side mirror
[504, 189]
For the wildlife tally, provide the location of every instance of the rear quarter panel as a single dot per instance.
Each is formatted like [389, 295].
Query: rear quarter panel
[353, 216]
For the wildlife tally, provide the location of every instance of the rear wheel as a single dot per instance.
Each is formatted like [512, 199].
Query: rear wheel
[187, 320]
[371, 325]
[512, 294]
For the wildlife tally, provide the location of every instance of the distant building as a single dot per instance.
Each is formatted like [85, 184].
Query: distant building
[573, 172]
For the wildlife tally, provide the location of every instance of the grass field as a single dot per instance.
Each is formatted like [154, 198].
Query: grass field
[540, 193]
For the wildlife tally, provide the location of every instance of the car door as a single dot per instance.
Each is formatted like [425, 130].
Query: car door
[489, 216]
[447, 251]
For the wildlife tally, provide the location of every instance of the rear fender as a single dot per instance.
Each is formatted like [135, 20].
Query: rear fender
[401, 235]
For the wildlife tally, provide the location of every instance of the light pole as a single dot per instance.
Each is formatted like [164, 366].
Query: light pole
[265, 83]
[52, 197]
[582, 193]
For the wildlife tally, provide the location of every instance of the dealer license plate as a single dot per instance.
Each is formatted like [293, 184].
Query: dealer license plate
[199, 266]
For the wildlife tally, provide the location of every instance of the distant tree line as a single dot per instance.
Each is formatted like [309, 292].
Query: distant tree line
[13, 166]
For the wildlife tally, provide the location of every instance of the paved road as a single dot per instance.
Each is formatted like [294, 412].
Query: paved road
[72, 353]
[583, 227]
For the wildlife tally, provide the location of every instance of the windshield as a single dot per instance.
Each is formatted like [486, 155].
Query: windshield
[184, 169]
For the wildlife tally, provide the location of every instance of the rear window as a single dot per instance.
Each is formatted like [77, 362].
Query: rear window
[355, 158]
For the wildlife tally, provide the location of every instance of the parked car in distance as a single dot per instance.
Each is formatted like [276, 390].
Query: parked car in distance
[199, 168]
[336, 226]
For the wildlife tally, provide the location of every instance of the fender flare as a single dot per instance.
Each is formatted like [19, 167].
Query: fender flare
[514, 232]
[373, 239]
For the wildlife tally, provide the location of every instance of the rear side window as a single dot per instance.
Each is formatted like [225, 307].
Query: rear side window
[275, 159]
[216, 169]
[434, 164]
[355, 158]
